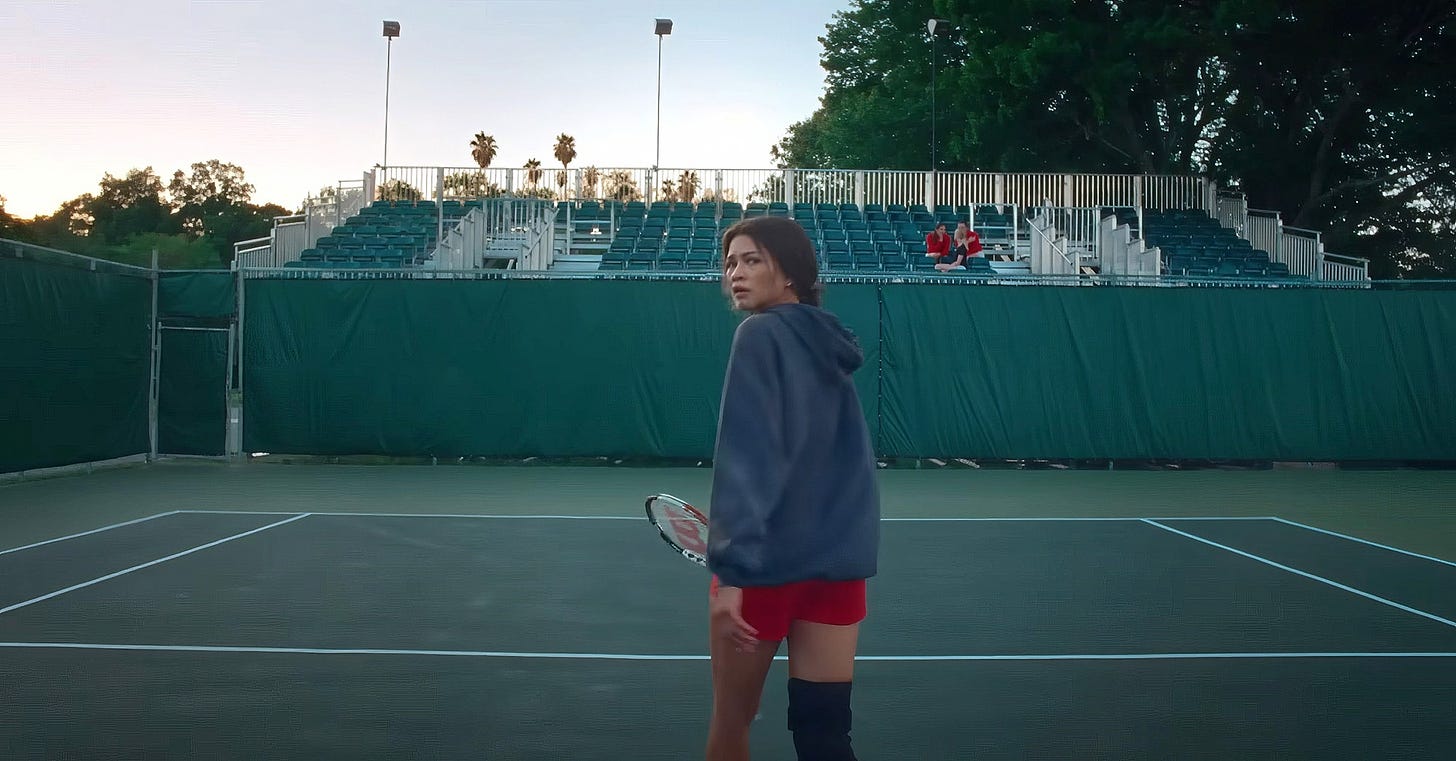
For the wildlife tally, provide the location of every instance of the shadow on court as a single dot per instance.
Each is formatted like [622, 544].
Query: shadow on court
[366, 636]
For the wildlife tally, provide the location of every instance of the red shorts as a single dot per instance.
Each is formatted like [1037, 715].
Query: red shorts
[771, 609]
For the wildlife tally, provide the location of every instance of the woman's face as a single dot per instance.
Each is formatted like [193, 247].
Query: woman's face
[753, 278]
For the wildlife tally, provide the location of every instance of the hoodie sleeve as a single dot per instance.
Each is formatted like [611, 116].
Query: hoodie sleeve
[749, 467]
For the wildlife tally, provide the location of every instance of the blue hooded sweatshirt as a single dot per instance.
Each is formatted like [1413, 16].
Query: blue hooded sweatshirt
[794, 493]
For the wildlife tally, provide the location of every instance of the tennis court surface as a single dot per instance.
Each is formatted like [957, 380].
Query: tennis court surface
[206, 611]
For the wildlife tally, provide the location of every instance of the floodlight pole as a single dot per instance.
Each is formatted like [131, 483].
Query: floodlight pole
[391, 30]
[662, 28]
[938, 27]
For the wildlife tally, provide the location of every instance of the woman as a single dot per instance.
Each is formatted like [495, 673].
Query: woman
[967, 242]
[794, 516]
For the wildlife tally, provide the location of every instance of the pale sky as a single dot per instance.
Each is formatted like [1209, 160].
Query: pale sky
[293, 92]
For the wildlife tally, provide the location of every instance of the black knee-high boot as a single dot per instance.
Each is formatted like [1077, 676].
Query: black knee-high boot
[820, 718]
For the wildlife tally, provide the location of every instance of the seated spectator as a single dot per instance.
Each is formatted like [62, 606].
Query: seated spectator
[967, 241]
[937, 247]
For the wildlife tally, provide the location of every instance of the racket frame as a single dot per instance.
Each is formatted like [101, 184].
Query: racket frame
[692, 513]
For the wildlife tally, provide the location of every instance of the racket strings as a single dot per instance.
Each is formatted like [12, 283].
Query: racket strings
[681, 526]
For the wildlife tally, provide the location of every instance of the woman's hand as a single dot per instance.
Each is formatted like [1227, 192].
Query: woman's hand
[726, 614]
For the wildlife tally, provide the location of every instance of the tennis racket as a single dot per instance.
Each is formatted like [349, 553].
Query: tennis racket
[681, 526]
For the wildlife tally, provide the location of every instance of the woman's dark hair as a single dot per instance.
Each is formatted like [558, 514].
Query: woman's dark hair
[788, 244]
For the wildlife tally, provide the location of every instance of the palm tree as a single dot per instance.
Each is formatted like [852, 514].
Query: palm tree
[687, 186]
[619, 185]
[533, 172]
[589, 179]
[565, 151]
[482, 149]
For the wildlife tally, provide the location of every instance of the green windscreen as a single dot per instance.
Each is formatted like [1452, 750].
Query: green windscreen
[1187, 373]
[74, 364]
[197, 295]
[634, 367]
[457, 367]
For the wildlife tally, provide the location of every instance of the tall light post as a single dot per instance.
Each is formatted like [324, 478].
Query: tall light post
[391, 30]
[938, 27]
[663, 28]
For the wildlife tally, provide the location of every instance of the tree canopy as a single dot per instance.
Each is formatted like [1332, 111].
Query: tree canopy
[192, 221]
[1338, 115]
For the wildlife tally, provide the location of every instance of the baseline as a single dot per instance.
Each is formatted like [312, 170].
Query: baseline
[563, 517]
[695, 657]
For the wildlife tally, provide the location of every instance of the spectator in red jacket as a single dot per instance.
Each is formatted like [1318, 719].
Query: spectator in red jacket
[967, 241]
[937, 247]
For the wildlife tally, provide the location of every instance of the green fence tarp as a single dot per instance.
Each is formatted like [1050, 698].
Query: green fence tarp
[484, 368]
[192, 392]
[563, 368]
[74, 358]
[200, 295]
[1175, 373]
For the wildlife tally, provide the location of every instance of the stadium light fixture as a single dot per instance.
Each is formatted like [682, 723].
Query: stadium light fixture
[662, 29]
[938, 27]
[391, 30]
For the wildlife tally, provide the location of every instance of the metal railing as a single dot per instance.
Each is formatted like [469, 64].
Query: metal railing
[540, 248]
[794, 185]
[1300, 249]
[1336, 268]
[1262, 229]
[18, 250]
[1232, 211]
[295, 233]
[1049, 254]
[257, 252]
[463, 244]
[501, 228]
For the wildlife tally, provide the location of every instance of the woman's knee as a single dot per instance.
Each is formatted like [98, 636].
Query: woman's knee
[738, 681]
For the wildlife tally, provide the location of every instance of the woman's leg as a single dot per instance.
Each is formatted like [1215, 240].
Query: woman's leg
[738, 678]
[821, 675]
[741, 654]
[822, 652]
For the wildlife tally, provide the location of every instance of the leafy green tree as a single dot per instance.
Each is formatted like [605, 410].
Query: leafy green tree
[1344, 120]
[130, 205]
[1340, 116]
[211, 189]
[10, 227]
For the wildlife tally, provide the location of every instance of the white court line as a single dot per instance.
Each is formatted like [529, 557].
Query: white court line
[559, 517]
[430, 515]
[1014, 519]
[1305, 574]
[148, 564]
[693, 657]
[88, 533]
[1367, 541]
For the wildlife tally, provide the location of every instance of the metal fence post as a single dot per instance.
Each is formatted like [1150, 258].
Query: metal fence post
[154, 364]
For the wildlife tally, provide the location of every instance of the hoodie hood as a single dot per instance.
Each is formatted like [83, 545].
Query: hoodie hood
[834, 349]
